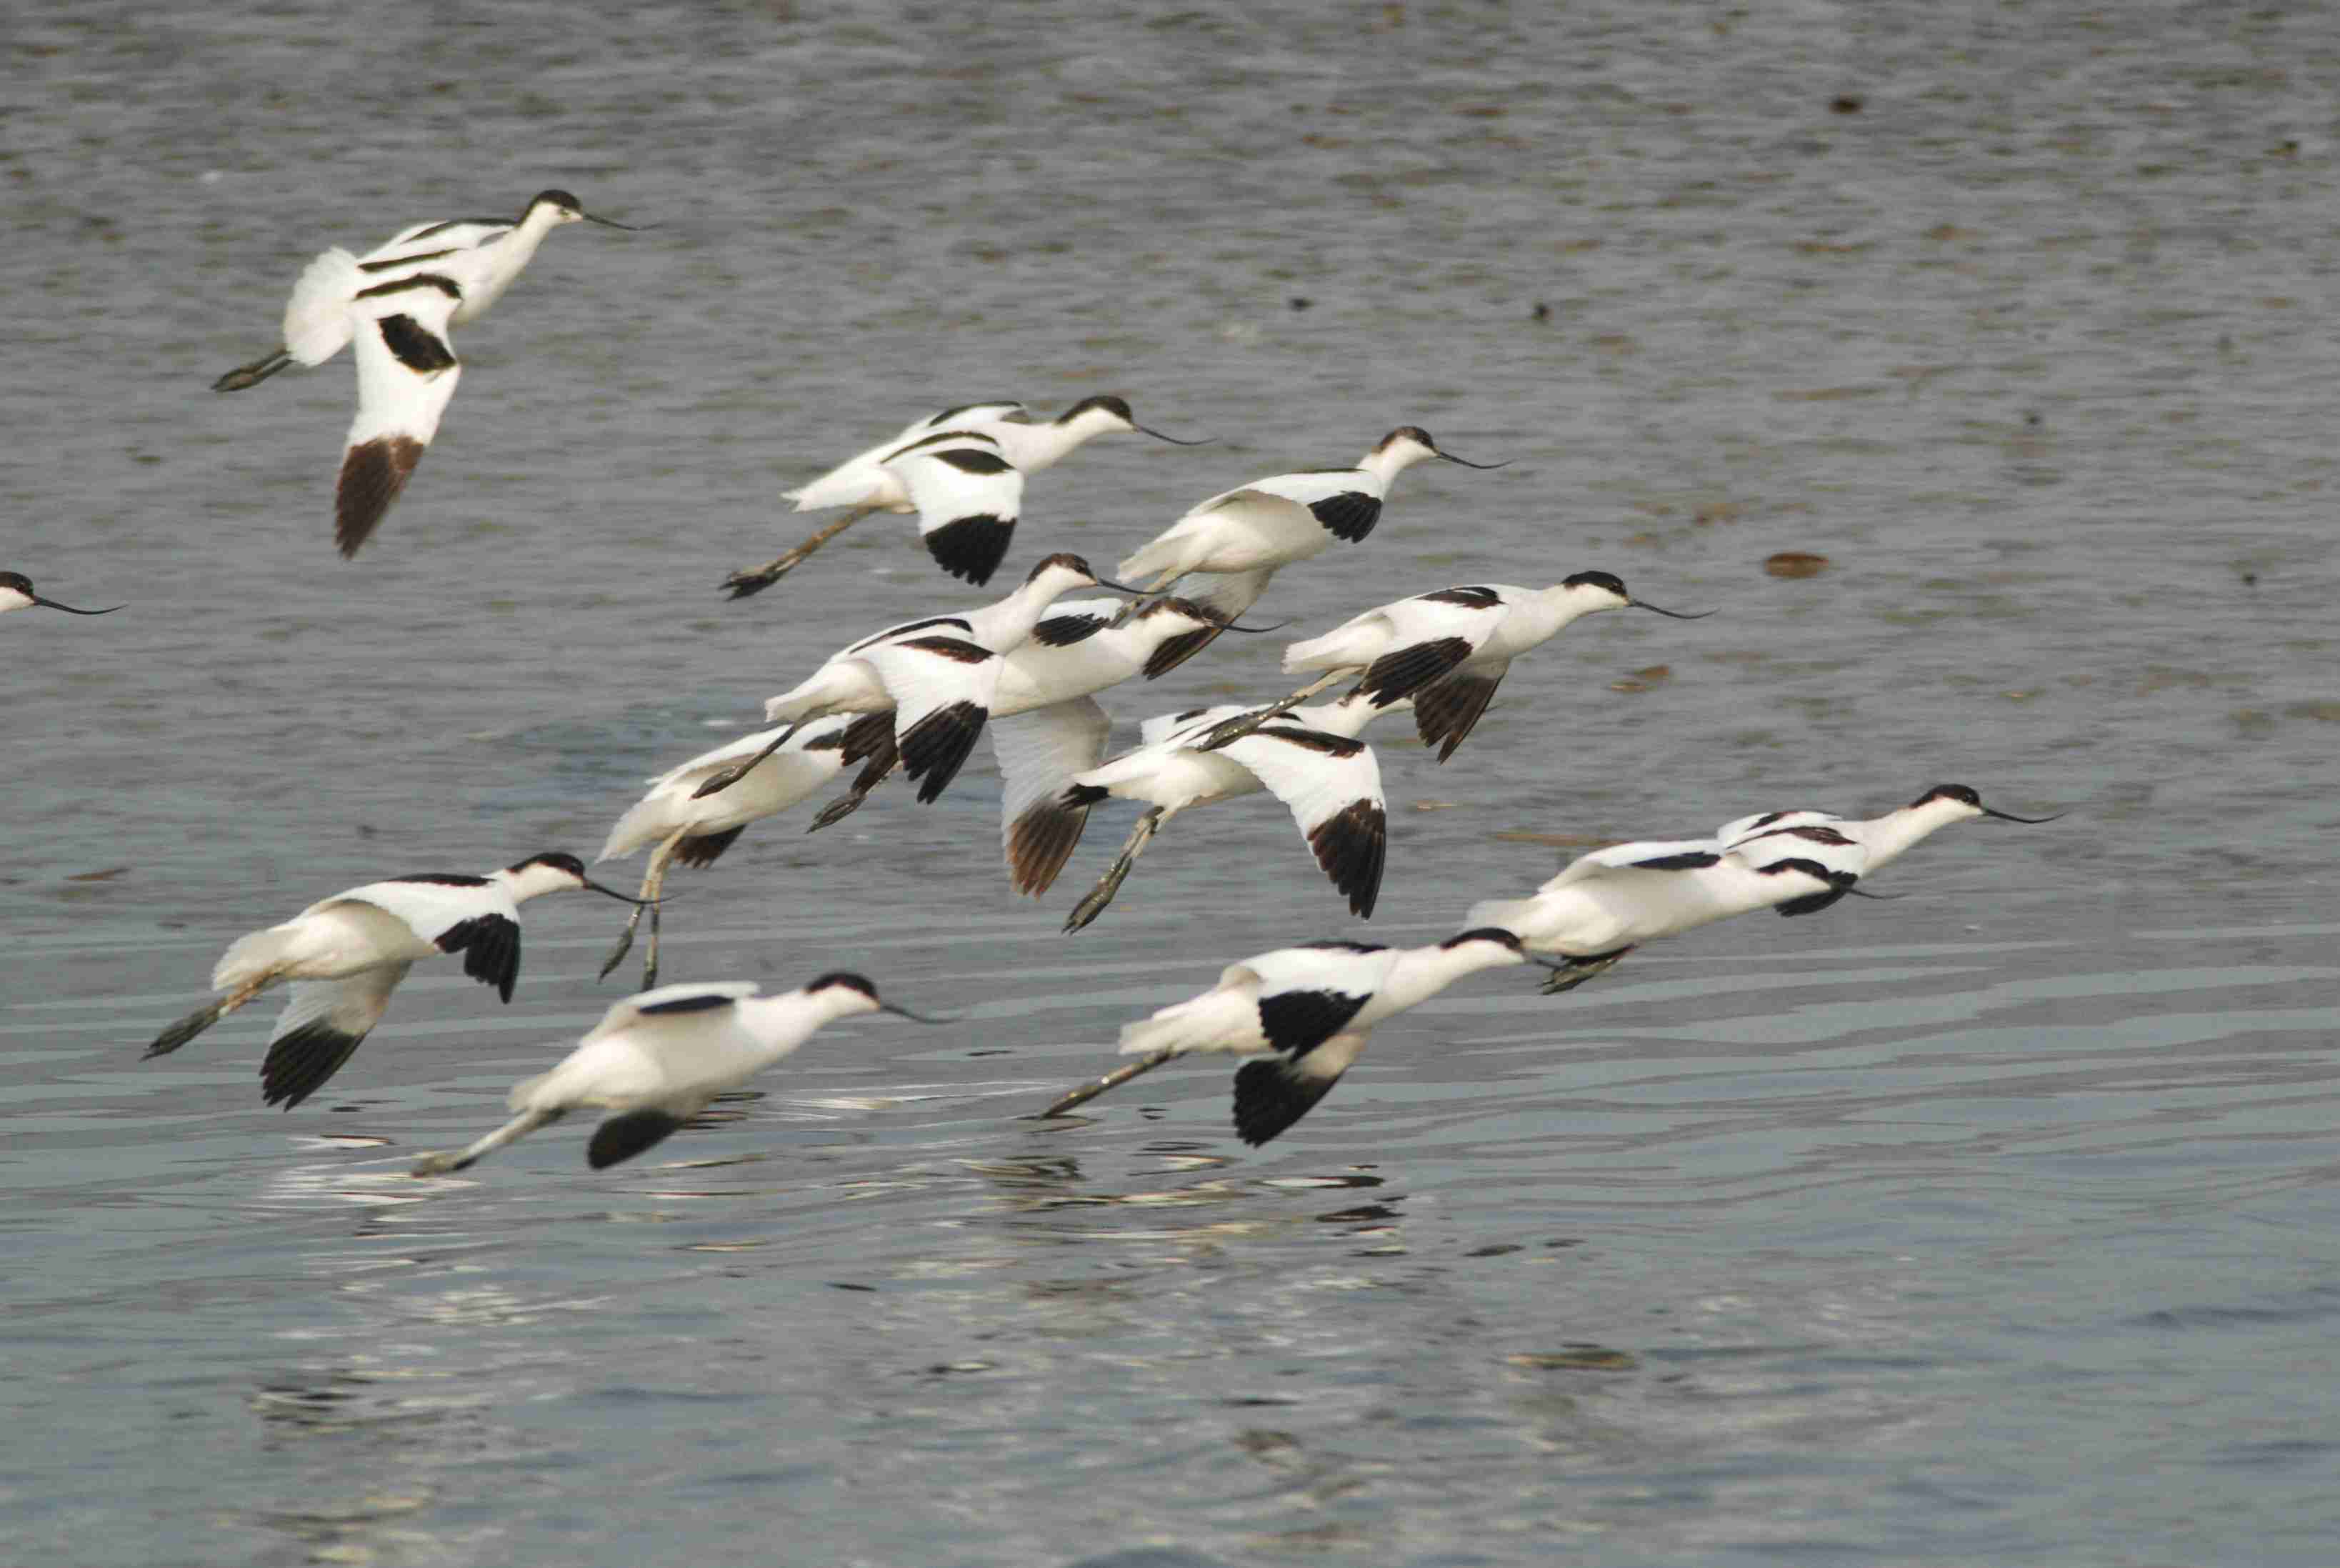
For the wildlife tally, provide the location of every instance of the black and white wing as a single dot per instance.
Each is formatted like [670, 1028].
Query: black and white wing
[1651, 860]
[967, 497]
[1039, 753]
[455, 913]
[1345, 500]
[1273, 1094]
[1815, 849]
[942, 687]
[1404, 646]
[323, 1023]
[1308, 999]
[1763, 821]
[407, 371]
[1332, 785]
[692, 999]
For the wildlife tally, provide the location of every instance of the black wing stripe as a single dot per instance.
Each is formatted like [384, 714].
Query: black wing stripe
[705, 1002]
[1688, 860]
[1063, 630]
[1176, 650]
[1470, 594]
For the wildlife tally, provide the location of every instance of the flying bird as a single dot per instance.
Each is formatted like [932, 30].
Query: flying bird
[695, 829]
[1447, 650]
[1310, 759]
[1603, 905]
[1256, 529]
[965, 522]
[1309, 1011]
[935, 674]
[398, 305]
[1882, 839]
[659, 1058]
[343, 955]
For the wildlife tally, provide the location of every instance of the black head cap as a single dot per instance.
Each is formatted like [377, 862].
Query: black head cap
[561, 199]
[1607, 580]
[1485, 934]
[1065, 558]
[17, 580]
[1405, 430]
[849, 981]
[1963, 794]
[558, 861]
[1114, 406]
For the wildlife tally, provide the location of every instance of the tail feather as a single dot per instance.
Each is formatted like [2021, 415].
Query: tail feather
[646, 822]
[1508, 913]
[250, 957]
[1217, 1019]
[317, 316]
[1339, 648]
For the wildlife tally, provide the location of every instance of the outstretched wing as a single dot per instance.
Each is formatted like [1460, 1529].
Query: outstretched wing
[1644, 859]
[809, 759]
[323, 1022]
[1039, 752]
[1763, 821]
[1332, 785]
[967, 496]
[1271, 1095]
[669, 1001]
[942, 687]
[1345, 500]
[1429, 636]
[1445, 711]
[407, 371]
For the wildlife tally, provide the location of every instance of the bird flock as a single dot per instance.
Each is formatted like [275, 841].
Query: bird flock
[915, 697]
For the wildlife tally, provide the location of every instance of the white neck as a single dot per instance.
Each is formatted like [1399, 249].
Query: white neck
[1009, 622]
[1385, 463]
[1889, 838]
[533, 881]
[1422, 973]
[1044, 446]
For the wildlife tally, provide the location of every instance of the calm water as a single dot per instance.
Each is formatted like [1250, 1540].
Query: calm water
[1996, 1224]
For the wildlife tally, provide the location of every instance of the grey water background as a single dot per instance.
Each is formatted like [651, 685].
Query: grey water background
[1995, 1224]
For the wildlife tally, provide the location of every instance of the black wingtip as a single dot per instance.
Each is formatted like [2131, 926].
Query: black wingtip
[1041, 841]
[1351, 845]
[1269, 1097]
[1446, 711]
[937, 745]
[1176, 651]
[971, 548]
[372, 474]
[621, 1137]
[1402, 673]
[298, 1065]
